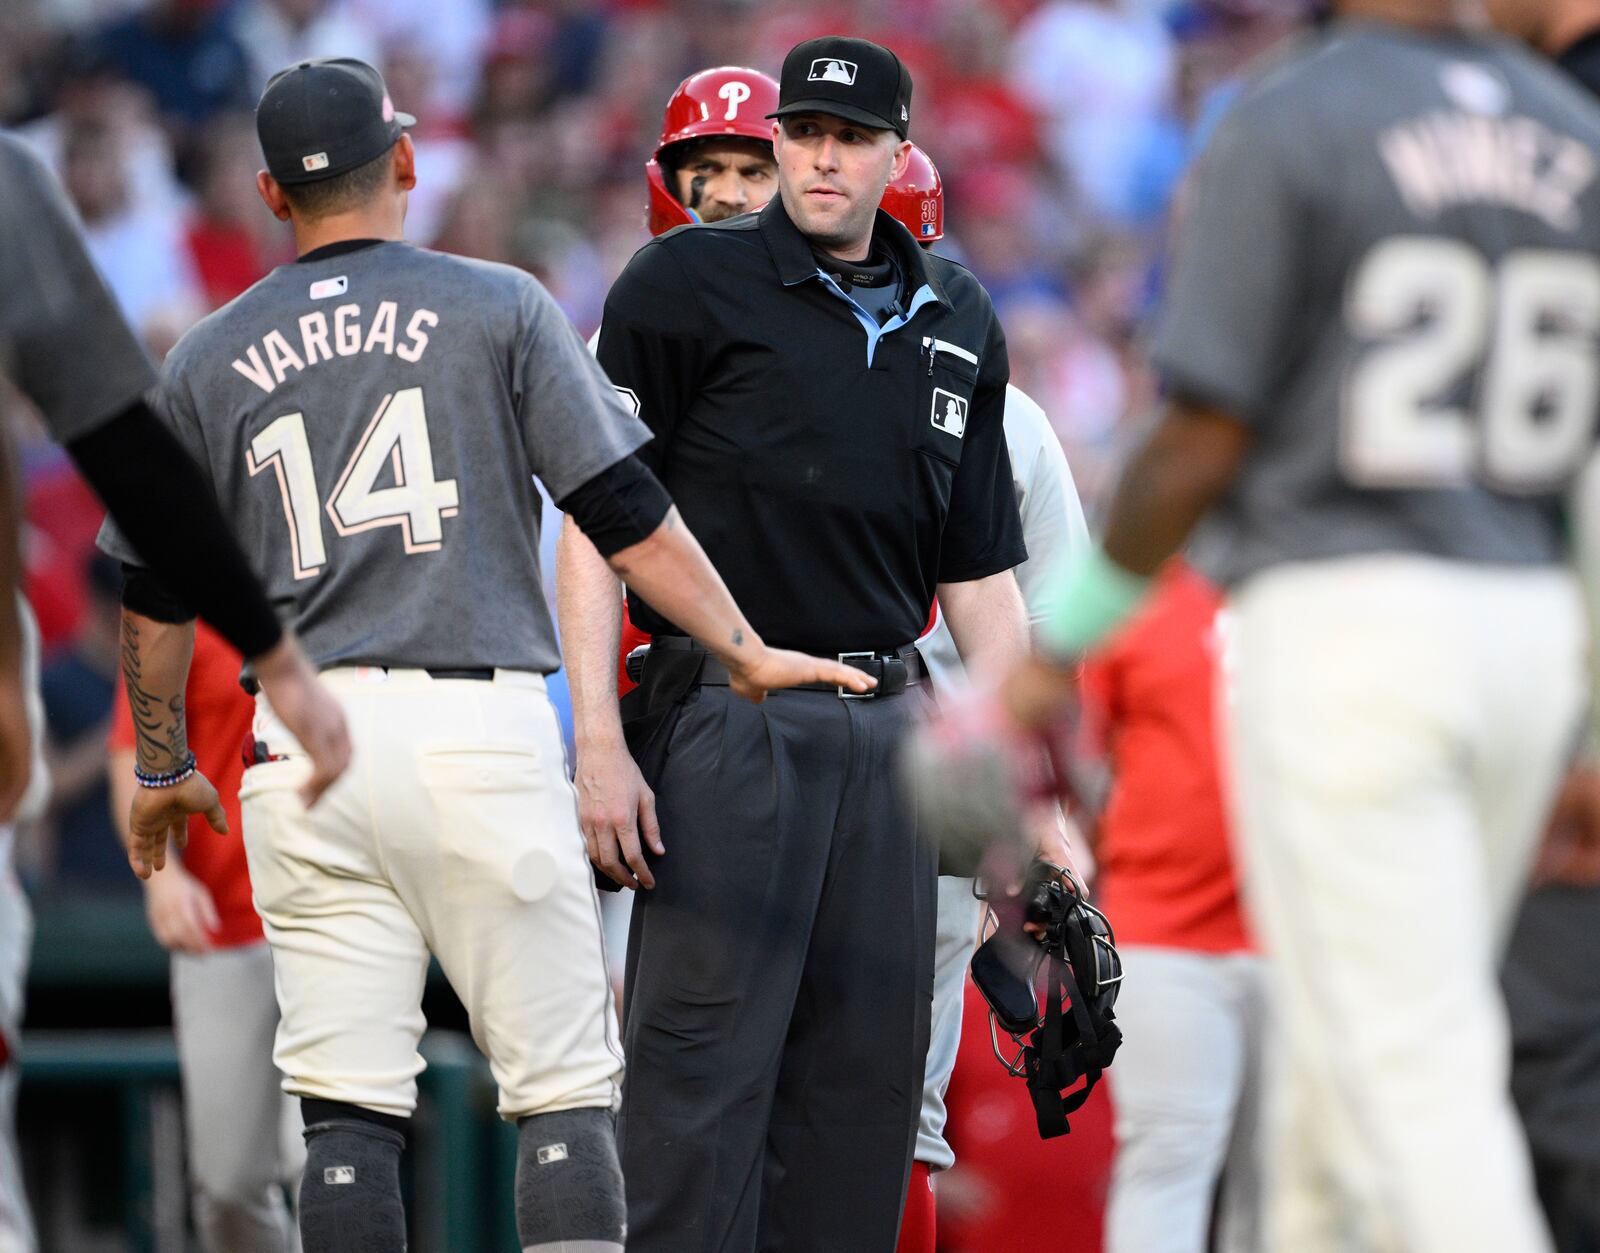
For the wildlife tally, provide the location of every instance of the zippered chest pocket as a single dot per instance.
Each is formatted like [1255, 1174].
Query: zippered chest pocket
[947, 376]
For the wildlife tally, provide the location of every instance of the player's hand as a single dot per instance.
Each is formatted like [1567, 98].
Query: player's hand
[1570, 854]
[772, 668]
[16, 745]
[304, 705]
[977, 775]
[617, 813]
[161, 814]
[1052, 843]
[182, 915]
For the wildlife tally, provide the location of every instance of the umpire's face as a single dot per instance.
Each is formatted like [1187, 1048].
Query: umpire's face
[831, 174]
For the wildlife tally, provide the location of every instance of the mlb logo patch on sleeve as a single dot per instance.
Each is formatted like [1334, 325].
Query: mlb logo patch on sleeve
[949, 412]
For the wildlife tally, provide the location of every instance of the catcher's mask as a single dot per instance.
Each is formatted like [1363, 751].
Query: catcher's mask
[1073, 972]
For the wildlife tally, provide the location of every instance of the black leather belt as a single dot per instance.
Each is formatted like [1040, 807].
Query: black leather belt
[895, 669]
[483, 674]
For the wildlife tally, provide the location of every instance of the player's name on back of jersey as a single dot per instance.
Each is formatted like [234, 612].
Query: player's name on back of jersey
[1447, 158]
[342, 332]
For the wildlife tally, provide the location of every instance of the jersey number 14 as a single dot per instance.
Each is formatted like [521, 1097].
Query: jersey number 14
[396, 438]
[1445, 336]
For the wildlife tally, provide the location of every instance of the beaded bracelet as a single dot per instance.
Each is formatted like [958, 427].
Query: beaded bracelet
[169, 778]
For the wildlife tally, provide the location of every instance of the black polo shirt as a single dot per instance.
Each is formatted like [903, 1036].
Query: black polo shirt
[835, 474]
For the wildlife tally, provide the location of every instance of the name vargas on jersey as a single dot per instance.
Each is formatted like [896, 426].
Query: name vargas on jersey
[343, 333]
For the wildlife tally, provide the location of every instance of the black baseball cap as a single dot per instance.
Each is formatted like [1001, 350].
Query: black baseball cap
[319, 119]
[855, 79]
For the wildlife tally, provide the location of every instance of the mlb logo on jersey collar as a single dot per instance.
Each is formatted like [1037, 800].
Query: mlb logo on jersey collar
[830, 70]
[325, 287]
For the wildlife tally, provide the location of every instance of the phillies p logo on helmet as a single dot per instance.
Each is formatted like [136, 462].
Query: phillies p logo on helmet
[735, 93]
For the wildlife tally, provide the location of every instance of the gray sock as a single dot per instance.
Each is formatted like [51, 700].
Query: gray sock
[350, 1193]
[569, 1183]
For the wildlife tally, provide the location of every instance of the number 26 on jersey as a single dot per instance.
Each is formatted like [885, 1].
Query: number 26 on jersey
[1470, 372]
[396, 439]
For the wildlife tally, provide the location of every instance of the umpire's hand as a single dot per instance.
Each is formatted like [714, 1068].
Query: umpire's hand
[617, 812]
[160, 814]
[754, 673]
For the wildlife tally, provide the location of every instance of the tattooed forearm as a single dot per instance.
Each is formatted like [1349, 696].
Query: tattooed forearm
[161, 734]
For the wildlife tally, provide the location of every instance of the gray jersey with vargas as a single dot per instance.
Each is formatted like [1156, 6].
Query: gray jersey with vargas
[370, 421]
[1389, 267]
[63, 341]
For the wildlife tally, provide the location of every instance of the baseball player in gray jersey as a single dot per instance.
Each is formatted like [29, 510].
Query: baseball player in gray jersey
[1380, 345]
[63, 342]
[371, 418]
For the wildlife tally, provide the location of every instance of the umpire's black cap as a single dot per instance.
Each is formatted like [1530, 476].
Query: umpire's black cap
[319, 119]
[855, 79]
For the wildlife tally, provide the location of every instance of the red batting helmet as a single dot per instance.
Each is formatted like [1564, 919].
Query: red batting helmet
[916, 198]
[728, 100]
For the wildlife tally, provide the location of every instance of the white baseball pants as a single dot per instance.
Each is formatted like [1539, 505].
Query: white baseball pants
[1397, 727]
[956, 936]
[455, 832]
[1186, 1091]
[243, 1133]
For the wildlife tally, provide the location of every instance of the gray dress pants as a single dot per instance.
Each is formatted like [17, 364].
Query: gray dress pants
[779, 979]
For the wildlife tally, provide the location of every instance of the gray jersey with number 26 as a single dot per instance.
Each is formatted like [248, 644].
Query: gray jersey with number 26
[1388, 266]
[370, 421]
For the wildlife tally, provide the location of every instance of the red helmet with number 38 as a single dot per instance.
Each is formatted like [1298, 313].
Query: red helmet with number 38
[728, 100]
[916, 198]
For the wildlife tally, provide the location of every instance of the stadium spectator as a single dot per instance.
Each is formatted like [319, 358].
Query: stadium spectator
[1100, 74]
[445, 151]
[455, 35]
[140, 252]
[232, 240]
[276, 33]
[185, 54]
[92, 90]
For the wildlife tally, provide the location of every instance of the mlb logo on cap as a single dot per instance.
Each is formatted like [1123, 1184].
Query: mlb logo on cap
[829, 70]
[854, 79]
[927, 228]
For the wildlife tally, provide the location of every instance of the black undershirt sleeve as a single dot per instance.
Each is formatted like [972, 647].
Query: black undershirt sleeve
[167, 511]
[145, 594]
[618, 507]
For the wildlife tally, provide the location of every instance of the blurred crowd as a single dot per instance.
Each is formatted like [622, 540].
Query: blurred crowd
[1062, 130]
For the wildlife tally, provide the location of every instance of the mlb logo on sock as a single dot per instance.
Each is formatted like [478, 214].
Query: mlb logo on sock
[949, 412]
[552, 1153]
[339, 1174]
